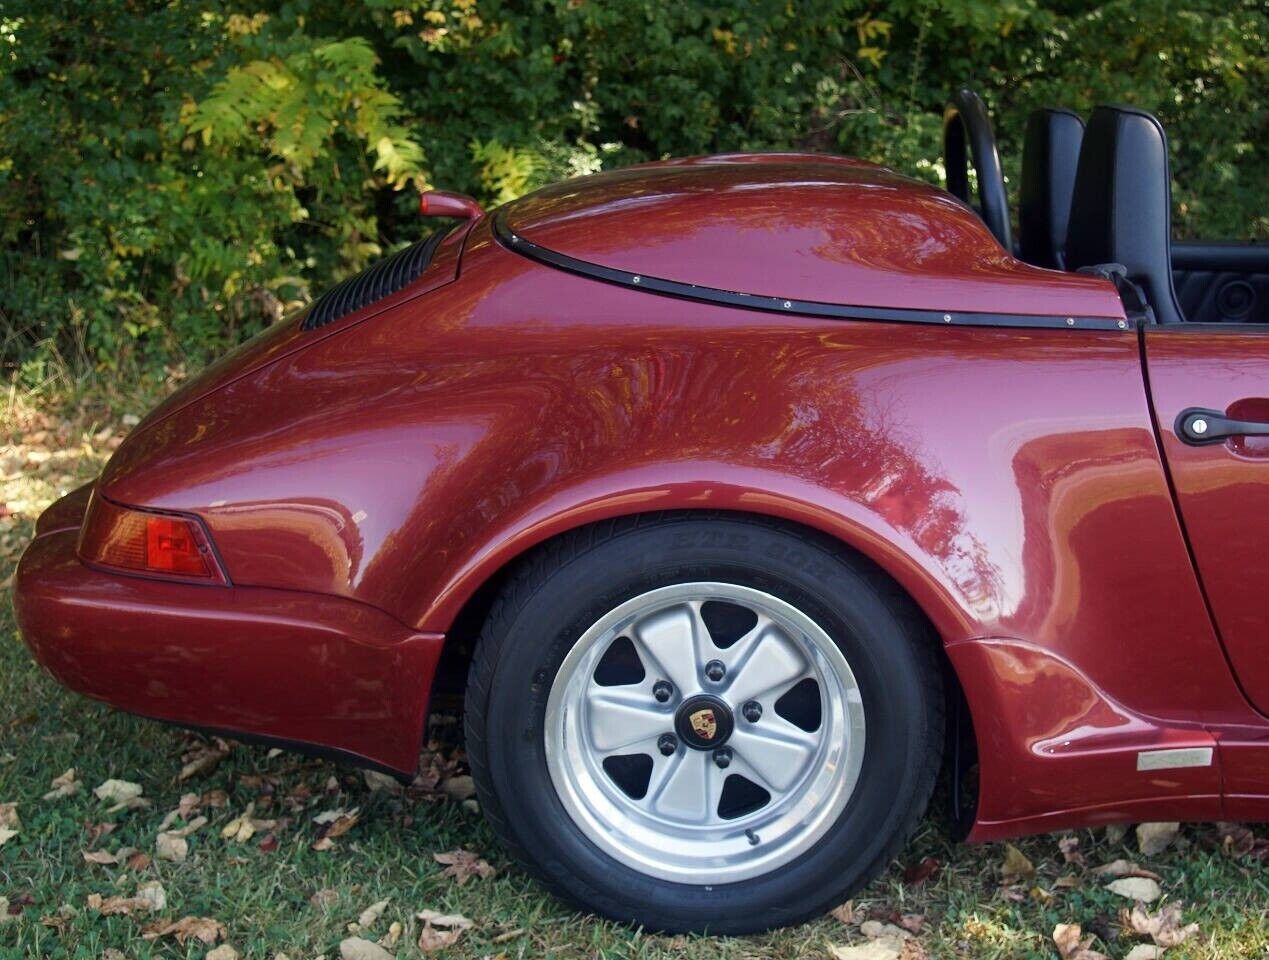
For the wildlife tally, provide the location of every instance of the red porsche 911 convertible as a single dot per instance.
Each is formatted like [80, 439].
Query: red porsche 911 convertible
[752, 491]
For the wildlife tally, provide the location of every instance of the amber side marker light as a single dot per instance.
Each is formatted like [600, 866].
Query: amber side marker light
[164, 545]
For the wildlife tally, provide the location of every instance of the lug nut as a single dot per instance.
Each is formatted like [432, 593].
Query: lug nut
[662, 690]
[752, 710]
[715, 670]
[722, 757]
[667, 743]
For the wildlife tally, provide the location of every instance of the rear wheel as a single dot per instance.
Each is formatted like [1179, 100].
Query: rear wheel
[703, 723]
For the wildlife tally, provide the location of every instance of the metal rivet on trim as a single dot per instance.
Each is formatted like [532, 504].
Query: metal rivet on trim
[788, 304]
[636, 279]
[1070, 321]
[947, 318]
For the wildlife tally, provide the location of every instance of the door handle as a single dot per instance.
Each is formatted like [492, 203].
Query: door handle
[1197, 426]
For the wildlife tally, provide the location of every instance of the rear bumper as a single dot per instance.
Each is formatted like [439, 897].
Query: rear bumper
[316, 671]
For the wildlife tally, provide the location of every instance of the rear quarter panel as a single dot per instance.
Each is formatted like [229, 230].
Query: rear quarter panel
[1009, 479]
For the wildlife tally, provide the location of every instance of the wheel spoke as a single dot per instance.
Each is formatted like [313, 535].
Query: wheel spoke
[670, 639]
[682, 792]
[779, 760]
[617, 720]
[769, 662]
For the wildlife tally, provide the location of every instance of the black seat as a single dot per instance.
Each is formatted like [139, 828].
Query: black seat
[1050, 155]
[1121, 211]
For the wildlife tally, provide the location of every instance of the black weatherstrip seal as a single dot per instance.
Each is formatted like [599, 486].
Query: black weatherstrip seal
[811, 308]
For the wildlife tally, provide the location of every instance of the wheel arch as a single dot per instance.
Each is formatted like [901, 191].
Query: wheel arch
[900, 568]
[848, 525]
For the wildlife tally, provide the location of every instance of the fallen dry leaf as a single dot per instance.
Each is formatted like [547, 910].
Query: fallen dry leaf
[194, 825]
[1070, 847]
[1124, 868]
[437, 919]
[918, 873]
[378, 782]
[1070, 946]
[372, 913]
[153, 892]
[188, 803]
[63, 786]
[844, 913]
[389, 940]
[9, 822]
[118, 791]
[432, 939]
[171, 847]
[462, 865]
[1016, 866]
[876, 930]
[244, 827]
[1144, 951]
[205, 929]
[1136, 888]
[223, 952]
[355, 948]
[98, 830]
[203, 760]
[1154, 838]
[117, 906]
[459, 788]
[1238, 840]
[1164, 927]
[335, 823]
[100, 857]
[324, 897]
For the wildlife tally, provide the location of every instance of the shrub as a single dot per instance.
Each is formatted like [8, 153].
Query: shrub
[175, 175]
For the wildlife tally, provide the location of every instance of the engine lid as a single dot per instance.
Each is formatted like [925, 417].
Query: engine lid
[800, 228]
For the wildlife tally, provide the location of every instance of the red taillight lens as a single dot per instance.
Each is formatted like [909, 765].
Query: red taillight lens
[171, 547]
[154, 543]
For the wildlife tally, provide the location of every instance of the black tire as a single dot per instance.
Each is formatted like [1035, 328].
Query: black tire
[563, 588]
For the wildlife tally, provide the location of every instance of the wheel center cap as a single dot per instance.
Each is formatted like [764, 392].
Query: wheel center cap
[703, 722]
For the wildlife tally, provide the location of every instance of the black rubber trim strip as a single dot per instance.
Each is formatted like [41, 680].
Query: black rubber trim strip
[304, 747]
[811, 308]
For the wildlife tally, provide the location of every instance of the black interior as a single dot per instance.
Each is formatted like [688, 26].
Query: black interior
[1222, 282]
[1103, 195]
[1121, 211]
[1050, 155]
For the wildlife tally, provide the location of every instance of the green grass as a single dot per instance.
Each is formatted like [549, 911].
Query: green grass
[264, 898]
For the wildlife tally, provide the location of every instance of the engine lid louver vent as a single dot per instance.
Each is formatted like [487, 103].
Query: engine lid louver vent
[377, 281]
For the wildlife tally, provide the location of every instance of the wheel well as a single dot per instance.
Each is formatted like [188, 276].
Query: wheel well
[959, 755]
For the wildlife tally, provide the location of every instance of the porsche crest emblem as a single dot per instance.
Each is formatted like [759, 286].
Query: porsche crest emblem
[704, 723]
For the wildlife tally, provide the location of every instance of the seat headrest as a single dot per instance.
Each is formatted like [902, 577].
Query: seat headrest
[1121, 211]
[1050, 155]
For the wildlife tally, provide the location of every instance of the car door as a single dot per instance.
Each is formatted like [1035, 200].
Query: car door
[1209, 384]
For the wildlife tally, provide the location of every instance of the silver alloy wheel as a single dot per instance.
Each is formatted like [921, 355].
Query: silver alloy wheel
[678, 816]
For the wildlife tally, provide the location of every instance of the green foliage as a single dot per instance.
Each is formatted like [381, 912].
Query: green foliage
[174, 175]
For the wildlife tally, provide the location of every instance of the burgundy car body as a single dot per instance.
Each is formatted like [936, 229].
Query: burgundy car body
[807, 338]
